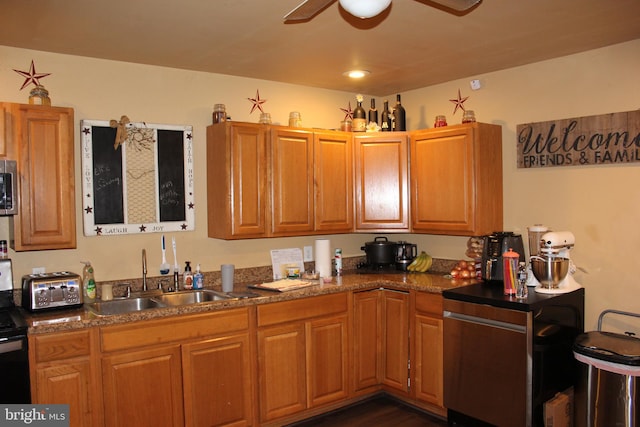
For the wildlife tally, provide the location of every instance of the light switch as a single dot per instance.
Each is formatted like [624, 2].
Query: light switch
[307, 255]
[475, 84]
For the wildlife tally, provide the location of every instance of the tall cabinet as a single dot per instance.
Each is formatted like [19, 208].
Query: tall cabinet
[40, 139]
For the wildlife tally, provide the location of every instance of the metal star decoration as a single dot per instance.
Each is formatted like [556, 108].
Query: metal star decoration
[348, 112]
[459, 102]
[31, 76]
[257, 102]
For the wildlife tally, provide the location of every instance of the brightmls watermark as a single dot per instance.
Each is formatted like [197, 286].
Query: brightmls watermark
[34, 415]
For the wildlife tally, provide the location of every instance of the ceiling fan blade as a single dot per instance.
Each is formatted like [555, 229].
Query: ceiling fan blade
[307, 10]
[459, 5]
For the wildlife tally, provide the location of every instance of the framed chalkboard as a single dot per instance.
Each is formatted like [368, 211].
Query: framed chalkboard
[136, 178]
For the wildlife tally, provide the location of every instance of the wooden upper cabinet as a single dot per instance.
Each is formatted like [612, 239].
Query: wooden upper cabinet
[5, 129]
[456, 180]
[291, 159]
[333, 171]
[43, 145]
[237, 180]
[381, 168]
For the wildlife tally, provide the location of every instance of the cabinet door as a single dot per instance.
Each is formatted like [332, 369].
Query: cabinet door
[282, 367]
[395, 340]
[46, 216]
[326, 360]
[381, 182]
[428, 360]
[236, 180]
[143, 388]
[67, 383]
[456, 180]
[366, 345]
[217, 377]
[333, 172]
[292, 181]
[427, 349]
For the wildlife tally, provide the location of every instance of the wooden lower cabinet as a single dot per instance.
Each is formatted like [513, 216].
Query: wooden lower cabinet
[380, 342]
[395, 340]
[63, 372]
[267, 364]
[143, 388]
[302, 355]
[427, 350]
[217, 382]
[193, 370]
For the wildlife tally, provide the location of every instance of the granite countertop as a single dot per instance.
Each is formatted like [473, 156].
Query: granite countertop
[78, 318]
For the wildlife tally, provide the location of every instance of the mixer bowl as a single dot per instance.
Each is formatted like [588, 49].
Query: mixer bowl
[550, 271]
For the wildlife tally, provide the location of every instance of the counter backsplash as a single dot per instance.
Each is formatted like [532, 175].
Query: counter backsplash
[250, 275]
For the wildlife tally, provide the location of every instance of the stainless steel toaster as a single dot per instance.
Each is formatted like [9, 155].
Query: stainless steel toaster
[48, 291]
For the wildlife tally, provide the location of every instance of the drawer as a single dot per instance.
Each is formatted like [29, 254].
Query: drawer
[176, 329]
[429, 303]
[300, 309]
[64, 345]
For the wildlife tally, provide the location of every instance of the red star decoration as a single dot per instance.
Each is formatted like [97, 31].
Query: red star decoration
[459, 102]
[348, 112]
[257, 102]
[31, 76]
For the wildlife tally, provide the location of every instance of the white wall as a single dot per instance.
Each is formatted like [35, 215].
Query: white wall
[598, 204]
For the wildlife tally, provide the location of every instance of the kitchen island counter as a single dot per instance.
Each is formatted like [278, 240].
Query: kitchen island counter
[73, 319]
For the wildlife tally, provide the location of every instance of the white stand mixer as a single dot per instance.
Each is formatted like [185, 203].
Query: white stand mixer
[555, 244]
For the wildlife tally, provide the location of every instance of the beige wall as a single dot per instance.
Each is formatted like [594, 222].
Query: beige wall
[599, 204]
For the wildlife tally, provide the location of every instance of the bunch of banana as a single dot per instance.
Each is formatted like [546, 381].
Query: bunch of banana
[421, 263]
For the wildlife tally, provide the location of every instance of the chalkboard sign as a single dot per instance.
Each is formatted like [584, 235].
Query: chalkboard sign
[140, 184]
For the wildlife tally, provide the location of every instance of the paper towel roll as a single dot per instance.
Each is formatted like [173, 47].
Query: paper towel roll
[323, 257]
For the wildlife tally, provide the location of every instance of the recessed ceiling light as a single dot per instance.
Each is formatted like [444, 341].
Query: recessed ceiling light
[356, 74]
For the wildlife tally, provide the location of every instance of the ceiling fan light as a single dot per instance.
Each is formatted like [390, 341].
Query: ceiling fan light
[364, 8]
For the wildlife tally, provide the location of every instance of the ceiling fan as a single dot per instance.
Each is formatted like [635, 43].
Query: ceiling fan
[363, 8]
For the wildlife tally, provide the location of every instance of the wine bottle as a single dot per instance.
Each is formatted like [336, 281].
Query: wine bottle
[373, 112]
[386, 123]
[400, 122]
[359, 123]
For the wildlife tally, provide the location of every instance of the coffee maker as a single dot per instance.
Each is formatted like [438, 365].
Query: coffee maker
[405, 254]
[494, 246]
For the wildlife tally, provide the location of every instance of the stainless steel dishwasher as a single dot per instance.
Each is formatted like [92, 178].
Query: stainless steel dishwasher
[503, 358]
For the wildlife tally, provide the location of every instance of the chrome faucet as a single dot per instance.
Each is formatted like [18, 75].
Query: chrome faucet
[144, 270]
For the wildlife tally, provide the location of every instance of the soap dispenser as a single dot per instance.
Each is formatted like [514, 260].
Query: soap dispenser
[187, 276]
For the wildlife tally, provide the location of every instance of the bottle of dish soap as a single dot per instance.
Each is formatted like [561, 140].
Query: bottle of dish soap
[88, 282]
[187, 276]
[198, 278]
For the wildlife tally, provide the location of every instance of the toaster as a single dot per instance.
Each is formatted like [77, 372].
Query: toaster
[48, 291]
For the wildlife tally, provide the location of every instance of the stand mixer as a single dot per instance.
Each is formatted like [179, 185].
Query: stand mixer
[551, 272]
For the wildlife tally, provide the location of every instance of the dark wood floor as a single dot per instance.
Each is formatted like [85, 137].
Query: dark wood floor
[378, 412]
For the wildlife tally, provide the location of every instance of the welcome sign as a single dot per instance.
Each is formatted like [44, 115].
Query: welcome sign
[594, 140]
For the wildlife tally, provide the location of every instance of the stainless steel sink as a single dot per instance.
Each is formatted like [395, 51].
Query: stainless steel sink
[123, 306]
[192, 297]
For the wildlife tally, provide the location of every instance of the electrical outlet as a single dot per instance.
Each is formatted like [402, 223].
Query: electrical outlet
[38, 270]
[308, 254]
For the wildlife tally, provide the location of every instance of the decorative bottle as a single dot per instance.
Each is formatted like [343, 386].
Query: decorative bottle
[359, 123]
[373, 112]
[399, 118]
[386, 122]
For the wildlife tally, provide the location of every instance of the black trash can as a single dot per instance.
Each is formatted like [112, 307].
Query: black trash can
[606, 394]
